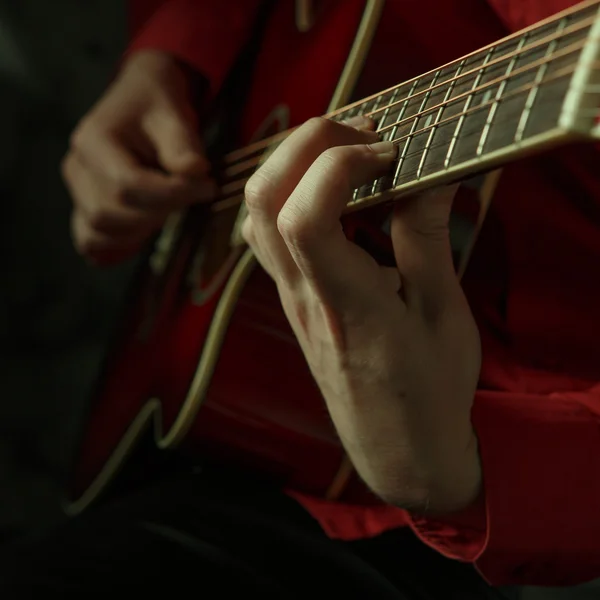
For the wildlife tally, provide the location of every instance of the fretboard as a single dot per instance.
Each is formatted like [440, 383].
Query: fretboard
[520, 95]
[533, 90]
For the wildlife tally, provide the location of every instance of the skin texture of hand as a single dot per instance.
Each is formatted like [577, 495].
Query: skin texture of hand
[135, 158]
[395, 351]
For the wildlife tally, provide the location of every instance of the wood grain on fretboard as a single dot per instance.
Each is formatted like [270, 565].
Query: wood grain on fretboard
[478, 112]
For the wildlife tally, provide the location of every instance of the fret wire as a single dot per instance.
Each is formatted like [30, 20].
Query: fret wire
[538, 43]
[400, 116]
[412, 174]
[361, 110]
[541, 75]
[536, 86]
[232, 200]
[403, 110]
[393, 98]
[374, 108]
[401, 113]
[417, 153]
[494, 108]
[438, 117]
[259, 146]
[378, 101]
[466, 107]
[566, 51]
[413, 126]
[556, 75]
[230, 188]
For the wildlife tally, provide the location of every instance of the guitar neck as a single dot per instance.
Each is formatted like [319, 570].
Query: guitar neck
[521, 95]
[533, 90]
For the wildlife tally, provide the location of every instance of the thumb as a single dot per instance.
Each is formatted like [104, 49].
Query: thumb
[177, 143]
[421, 239]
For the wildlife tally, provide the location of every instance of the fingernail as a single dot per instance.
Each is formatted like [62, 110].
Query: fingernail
[359, 122]
[384, 147]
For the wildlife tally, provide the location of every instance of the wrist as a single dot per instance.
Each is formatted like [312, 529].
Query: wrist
[446, 483]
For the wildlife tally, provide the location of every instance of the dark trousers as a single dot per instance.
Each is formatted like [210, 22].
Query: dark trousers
[199, 535]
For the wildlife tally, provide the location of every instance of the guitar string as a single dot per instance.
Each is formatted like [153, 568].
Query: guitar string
[234, 196]
[240, 167]
[557, 36]
[513, 75]
[237, 155]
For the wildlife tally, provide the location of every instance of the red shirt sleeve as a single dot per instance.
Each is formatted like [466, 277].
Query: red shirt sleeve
[205, 34]
[518, 14]
[138, 13]
[537, 520]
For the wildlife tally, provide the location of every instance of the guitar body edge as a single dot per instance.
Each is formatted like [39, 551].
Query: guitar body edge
[195, 358]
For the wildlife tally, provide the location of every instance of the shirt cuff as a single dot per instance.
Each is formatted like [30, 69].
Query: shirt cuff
[536, 520]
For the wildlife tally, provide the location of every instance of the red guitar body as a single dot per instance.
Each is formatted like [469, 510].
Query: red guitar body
[257, 405]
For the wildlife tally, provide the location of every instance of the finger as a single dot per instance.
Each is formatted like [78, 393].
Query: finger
[268, 189]
[101, 205]
[178, 146]
[310, 220]
[139, 186]
[421, 239]
[250, 237]
[98, 247]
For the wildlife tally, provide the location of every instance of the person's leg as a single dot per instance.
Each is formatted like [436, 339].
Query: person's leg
[199, 533]
[192, 534]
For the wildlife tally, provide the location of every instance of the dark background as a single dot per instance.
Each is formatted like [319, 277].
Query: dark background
[56, 313]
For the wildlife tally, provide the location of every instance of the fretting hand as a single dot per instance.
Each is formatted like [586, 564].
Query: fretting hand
[395, 351]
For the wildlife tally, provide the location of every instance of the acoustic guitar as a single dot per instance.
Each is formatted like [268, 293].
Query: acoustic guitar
[205, 361]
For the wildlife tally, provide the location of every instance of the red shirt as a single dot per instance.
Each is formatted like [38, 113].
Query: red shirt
[533, 284]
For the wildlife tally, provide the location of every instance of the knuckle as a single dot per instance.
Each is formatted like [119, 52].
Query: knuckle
[320, 126]
[335, 166]
[256, 191]
[338, 159]
[286, 225]
[293, 228]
